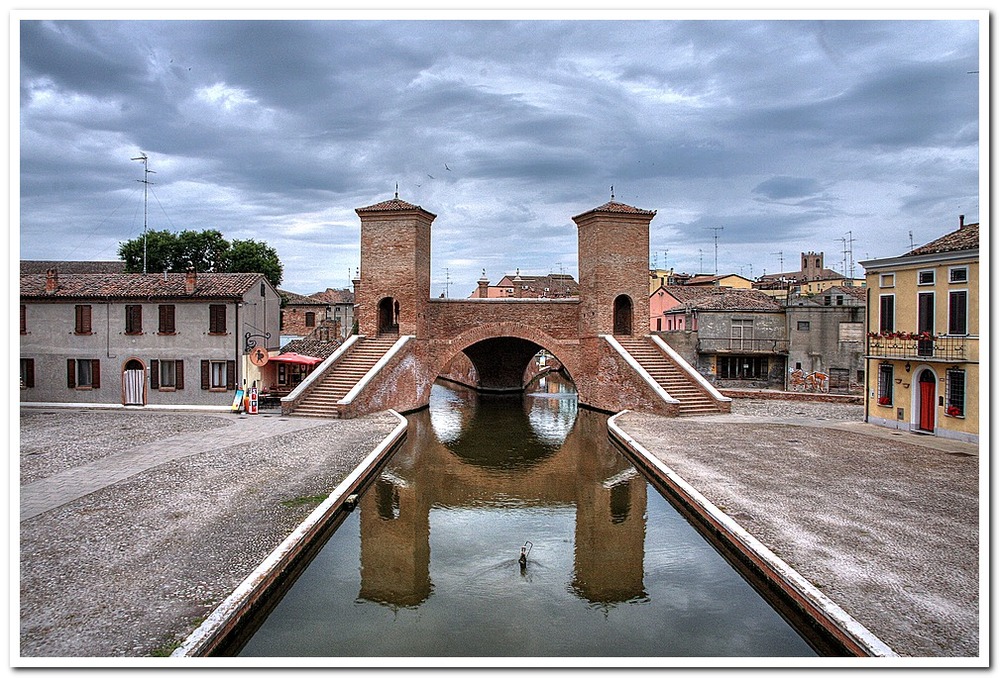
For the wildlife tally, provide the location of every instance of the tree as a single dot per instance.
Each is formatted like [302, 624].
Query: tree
[250, 256]
[208, 251]
[161, 247]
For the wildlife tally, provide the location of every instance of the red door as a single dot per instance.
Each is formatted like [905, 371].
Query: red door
[928, 382]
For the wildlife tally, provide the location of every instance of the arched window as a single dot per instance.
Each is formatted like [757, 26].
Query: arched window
[623, 314]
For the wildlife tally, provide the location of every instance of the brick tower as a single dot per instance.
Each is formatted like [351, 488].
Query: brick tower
[613, 254]
[395, 280]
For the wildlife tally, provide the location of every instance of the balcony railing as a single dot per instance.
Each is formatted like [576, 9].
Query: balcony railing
[741, 346]
[943, 348]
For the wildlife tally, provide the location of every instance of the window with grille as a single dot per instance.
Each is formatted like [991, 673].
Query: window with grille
[955, 397]
[741, 334]
[925, 277]
[27, 373]
[133, 319]
[885, 384]
[958, 275]
[742, 367]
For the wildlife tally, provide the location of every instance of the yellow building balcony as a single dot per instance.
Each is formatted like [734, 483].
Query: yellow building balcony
[907, 346]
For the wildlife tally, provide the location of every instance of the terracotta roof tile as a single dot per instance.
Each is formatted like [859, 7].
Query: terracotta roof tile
[293, 299]
[392, 205]
[618, 208]
[312, 347]
[333, 296]
[965, 238]
[73, 266]
[139, 286]
[730, 299]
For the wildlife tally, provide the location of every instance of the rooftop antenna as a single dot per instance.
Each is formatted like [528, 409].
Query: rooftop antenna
[716, 234]
[781, 260]
[612, 192]
[397, 190]
[849, 245]
[911, 240]
[447, 282]
[145, 201]
[701, 265]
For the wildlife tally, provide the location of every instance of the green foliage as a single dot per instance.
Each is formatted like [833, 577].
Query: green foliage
[250, 256]
[208, 251]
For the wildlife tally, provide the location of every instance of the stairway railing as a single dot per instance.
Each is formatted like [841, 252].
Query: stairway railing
[290, 401]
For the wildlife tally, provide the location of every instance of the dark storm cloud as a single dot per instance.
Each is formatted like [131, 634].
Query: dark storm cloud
[787, 133]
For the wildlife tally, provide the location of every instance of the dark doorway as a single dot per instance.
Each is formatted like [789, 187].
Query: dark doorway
[623, 315]
[928, 386]
[388, 316]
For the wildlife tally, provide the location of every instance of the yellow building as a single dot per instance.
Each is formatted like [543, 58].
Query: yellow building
[922, 356]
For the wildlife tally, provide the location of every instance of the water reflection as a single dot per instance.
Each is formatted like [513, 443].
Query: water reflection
[428, 564]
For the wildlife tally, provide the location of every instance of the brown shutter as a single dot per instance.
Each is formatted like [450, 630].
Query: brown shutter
[71, 373]
[205, 375]
[154, 374]
[96, 368]
[24, 319]
[230, 375]
[29, 373]
[179, 374]
[85, 321]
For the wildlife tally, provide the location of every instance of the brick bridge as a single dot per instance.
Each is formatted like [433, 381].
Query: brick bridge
[406, 339]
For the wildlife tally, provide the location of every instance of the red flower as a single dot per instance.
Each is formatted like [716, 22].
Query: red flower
[884, 400]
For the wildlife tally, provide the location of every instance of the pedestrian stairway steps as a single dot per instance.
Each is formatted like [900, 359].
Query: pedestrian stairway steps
[343, 376]
[693, 397]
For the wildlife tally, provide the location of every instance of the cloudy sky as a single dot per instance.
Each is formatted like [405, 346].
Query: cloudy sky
[766, 137]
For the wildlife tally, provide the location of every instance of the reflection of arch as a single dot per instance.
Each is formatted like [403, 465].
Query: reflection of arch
[623, 314]
[133, 382]
[504, 330]
[388, 316]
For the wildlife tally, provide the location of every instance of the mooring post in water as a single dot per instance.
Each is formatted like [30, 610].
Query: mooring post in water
[525, 550]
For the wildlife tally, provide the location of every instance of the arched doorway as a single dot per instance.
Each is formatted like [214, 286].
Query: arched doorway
[134, 383]
[926, 403]
[388, 316]
[623, 315]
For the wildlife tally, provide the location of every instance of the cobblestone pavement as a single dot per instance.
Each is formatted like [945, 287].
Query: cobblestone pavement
[162, 516]
[884, 523]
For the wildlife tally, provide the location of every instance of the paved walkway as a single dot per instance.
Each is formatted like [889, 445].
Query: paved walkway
[54, 491]
[885, 523]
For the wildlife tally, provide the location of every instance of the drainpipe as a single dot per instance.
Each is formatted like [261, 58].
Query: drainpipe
[868, 348]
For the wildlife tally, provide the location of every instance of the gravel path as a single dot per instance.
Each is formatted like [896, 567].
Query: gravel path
[131, 569]
[885, 524]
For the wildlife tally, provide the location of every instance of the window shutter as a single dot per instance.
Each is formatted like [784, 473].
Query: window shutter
[154, 374]
[230, 375]
[96, 367]
[24, 319]
[71, 373]
[29, 373]
[205, 376]
[179, 374]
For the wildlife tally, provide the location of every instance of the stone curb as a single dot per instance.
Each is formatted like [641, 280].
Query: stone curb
[855, 637]
[224, 618]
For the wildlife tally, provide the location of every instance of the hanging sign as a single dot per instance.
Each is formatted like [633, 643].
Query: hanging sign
[258, 356]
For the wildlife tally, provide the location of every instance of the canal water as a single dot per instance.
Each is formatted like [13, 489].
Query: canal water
[428, 564]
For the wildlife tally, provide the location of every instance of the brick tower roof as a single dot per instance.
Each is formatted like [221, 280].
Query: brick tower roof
[614, 207]
[392, 205]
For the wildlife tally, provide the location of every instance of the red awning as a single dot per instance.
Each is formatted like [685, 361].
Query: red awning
[296, 358]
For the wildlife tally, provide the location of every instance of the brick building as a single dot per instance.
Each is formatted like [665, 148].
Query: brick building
[517, 286]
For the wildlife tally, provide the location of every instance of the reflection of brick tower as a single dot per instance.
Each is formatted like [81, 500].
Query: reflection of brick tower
[395, 281]
[614, 269]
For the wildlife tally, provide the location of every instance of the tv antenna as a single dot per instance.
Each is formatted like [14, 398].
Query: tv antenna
[716, 236]
[447, 282]
[781, 260]
[145, 201]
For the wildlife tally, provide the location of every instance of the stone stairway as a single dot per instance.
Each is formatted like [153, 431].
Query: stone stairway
[342, 376]
[674, 380]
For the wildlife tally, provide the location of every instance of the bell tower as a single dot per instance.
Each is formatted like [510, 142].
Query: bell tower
[613, 250]
[394, 286]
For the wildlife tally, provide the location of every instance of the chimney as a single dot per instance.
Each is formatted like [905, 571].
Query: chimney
[51, 281]
[484, 285]
[190, 281]
[961, 221]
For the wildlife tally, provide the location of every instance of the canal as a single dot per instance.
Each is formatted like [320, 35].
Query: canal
[428, 564]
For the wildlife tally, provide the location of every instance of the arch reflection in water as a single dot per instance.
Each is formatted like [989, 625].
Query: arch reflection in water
[428, 564]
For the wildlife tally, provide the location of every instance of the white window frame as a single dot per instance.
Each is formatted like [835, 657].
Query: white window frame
[933, 297]
[951, 275]
[932, 273]
[950, 396]
[880, 298]
[887, 280]
[168, 368]
[951, 295]
[217, 374]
